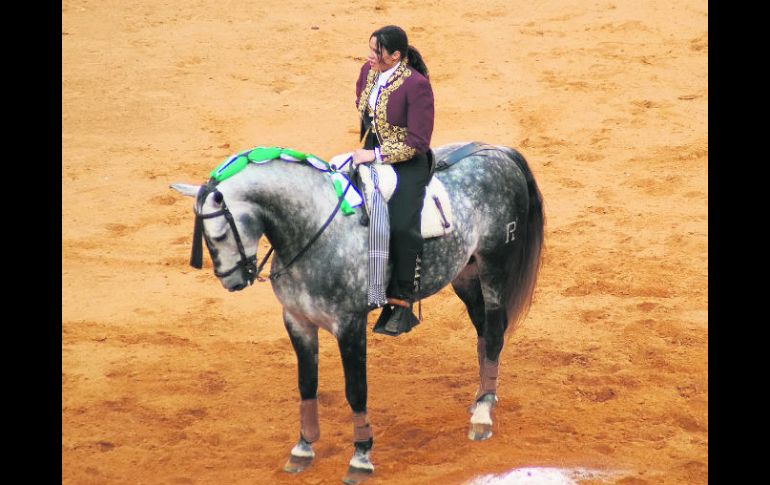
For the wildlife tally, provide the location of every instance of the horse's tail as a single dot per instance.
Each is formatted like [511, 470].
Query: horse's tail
[520, 284]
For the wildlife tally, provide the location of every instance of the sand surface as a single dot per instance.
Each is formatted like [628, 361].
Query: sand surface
[169, 379]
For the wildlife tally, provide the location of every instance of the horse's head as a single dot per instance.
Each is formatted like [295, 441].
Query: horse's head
[231, 229]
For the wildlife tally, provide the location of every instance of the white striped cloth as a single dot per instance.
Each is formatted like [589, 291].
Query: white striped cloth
[379, 243]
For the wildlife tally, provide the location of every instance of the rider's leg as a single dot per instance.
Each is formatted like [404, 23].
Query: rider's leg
[406, 242]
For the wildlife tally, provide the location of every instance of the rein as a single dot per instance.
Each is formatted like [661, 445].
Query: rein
[312, 239]
[247, 264]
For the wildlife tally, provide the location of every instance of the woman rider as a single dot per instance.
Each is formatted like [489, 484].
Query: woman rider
[395, 101]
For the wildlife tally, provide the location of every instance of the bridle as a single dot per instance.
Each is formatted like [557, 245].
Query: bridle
[248, 264]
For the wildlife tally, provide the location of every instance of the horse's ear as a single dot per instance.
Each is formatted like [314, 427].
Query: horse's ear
[186, 189]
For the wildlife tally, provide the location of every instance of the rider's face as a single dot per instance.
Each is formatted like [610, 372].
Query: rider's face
[386, 61]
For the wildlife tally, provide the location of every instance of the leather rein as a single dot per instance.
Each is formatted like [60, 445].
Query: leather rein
[247, 264]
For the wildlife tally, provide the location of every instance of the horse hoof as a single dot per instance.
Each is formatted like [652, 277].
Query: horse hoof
[355, 475]
[297, 464]
[480, 431]
[301, 457]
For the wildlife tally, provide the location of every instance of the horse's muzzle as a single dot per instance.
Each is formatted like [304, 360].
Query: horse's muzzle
[238, 287]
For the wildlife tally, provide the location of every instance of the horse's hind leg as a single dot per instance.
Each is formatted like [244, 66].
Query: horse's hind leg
[304, 339]
[481, 291]
[351, 339]
[468, 287]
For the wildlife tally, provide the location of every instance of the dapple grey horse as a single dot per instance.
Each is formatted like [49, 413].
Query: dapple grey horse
[492, 259]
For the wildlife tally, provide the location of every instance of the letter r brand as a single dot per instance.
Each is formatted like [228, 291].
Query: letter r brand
[510, 229]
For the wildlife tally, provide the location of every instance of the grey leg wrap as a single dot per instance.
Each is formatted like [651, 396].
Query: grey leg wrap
[362, 431]
[308, 420]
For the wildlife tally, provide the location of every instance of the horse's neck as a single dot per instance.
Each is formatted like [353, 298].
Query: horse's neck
[293, 202]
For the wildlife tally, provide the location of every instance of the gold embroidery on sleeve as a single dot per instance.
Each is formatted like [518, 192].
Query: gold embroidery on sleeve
[396, 152]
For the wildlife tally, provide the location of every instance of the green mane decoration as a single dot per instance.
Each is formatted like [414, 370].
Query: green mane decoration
[238, 162]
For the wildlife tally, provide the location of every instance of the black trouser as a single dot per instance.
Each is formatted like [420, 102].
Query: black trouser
[405, 211]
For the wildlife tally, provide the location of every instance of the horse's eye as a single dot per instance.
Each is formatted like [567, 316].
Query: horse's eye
[218, 197]
[219, 238]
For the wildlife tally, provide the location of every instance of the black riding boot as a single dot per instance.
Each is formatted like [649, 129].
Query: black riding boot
[397, 317]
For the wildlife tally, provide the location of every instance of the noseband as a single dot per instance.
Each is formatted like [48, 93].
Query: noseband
[247, 265]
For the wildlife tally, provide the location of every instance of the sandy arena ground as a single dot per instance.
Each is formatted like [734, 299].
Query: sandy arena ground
[169, 379]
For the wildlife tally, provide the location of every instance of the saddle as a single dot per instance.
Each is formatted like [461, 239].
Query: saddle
[437, 210]
[436, 213]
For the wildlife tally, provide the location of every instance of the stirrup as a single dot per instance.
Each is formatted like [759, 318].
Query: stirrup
[398, 302]
[387, 311]
[396, 320]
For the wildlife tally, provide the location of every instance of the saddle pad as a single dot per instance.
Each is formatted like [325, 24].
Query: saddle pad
[436, 210]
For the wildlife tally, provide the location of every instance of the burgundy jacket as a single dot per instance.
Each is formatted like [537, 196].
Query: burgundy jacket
[403, 117]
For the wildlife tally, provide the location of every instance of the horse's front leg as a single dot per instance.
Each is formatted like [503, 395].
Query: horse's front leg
[351, 339]
[304, 339]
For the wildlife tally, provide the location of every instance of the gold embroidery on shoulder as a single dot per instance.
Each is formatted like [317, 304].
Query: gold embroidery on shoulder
[363, 101]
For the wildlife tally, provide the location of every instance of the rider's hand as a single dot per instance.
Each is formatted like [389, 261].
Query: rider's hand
[363, 156]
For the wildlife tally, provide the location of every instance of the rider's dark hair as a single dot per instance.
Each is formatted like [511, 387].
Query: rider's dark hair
[393, 38]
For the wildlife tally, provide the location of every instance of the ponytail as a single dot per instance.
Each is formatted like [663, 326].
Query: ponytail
[415, 61]
[393, 38]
